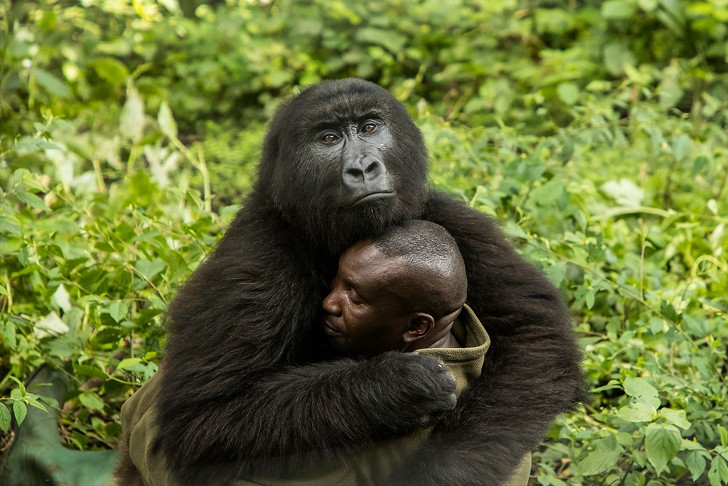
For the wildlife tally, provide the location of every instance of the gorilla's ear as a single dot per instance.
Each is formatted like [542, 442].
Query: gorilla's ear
[419, 326]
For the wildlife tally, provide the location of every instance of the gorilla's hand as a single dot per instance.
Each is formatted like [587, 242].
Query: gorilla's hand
[417, 390]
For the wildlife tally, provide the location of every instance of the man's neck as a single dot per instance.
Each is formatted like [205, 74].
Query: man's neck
[447, 341]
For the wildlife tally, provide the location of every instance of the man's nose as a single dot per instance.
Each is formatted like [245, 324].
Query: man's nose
[331, 305]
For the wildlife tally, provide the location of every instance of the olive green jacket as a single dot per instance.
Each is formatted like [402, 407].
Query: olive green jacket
[355, 467]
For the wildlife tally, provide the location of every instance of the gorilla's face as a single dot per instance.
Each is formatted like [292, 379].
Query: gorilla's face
[343, 160]
[359, 148]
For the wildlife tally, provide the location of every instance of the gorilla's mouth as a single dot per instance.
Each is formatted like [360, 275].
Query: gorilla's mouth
[374, 196]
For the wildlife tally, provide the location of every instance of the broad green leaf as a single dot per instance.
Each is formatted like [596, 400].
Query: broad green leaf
[5, 418]
[50, 401]
[696, 327]
[91, 401]
[30, 179]
[612, 385]
[598, 462]
[166, 121]
[513, 229]
[150, 268]
[389, 39]
[699, 164]
[640, 388]
[11, 247]
[691, 445]
[617, 57]
[171, 5]
[718, 473]
[50, 325]
[647, 5]
[10, 334]
[552, 192]
[670, 90]
[556, 273]
[723, 432]
[624, 192]
[658, 325]
[712, 206]
[675, 417]
[637, 412]
[118, 310]
[662, 443]
[149, 370]
[35, 403]
[568, 92]
[111, 70]
[717, 236]
[673, 16]
[131, 124]
[46, 145]
[696, 463]
[127, 363]
[682, 145]
[277, 78]
[669, 311]
[20, 410]
[552, 21]
[10, 225]
[89, 371]
[62, 298]
[567, 151]
[618, 9]
[50, 83]
[589, 298]
[32, 200]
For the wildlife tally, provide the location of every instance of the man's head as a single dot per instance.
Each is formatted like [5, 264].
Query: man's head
[400, 291]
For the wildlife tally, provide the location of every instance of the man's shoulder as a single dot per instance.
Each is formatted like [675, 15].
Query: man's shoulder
[143, 400]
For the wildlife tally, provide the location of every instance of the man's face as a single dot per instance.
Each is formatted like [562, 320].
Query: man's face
[367, 311]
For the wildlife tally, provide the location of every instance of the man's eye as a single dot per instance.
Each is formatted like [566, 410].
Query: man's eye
[354, 298]
[329, 138]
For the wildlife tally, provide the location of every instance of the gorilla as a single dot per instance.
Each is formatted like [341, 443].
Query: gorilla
[247, 379]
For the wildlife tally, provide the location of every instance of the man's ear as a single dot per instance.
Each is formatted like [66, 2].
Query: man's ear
[419, 326]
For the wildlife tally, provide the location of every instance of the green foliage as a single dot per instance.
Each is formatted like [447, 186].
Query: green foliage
[594, 131]
[89, 259]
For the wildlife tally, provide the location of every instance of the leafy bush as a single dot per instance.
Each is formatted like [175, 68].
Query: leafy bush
[594, 131]
[649, 297]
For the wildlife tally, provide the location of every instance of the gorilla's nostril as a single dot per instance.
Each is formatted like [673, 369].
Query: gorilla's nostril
[356, 174]
[373, 168]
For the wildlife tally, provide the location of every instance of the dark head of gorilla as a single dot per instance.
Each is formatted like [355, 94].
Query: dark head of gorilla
[337, 164]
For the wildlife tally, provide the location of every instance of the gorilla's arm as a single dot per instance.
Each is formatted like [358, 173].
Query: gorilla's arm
[532, 369]
[235, 395]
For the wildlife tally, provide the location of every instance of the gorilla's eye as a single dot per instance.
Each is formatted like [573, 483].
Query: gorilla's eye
[329, 137]
[369, 127]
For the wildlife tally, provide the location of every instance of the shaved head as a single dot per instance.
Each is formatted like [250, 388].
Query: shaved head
[433, 263]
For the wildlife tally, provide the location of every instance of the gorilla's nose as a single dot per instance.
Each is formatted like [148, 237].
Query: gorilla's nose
[363, 171]
[364, 180]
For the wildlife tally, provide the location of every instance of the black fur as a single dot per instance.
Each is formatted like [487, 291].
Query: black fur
[246, 380]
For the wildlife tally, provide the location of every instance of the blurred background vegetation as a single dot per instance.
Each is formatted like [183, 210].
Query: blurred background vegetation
[596, 132]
